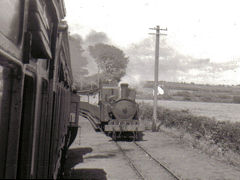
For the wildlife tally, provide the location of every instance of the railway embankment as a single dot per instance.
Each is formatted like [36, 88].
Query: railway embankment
[220, 139]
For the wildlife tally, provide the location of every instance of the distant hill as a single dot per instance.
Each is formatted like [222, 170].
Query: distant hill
[192, 92]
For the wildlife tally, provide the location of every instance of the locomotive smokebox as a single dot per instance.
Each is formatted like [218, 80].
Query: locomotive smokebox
[124, 90]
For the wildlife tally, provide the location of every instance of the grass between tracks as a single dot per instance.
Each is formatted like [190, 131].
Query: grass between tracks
[214, 137]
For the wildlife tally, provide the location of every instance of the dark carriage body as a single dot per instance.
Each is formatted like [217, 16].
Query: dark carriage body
[35, 88]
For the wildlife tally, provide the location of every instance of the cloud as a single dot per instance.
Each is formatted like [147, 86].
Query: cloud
[91, 39]
[96, 37]
[173, 66]
[82, 62]
[78, 60]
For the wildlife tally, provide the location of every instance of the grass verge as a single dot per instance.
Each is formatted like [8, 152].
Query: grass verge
[218, 138]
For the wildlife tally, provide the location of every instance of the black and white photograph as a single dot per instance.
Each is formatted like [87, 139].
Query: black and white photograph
[120, 90]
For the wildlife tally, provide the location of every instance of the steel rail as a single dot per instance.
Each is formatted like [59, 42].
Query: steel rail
[163, 165]
[130, 162]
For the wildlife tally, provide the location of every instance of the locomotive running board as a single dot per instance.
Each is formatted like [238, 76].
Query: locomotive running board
[126, 128]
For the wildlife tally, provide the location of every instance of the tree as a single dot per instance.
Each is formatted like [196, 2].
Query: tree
[111, 61]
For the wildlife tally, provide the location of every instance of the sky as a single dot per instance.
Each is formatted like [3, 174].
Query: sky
[202, 29]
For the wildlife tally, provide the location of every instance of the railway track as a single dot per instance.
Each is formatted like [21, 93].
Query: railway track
[144, 164]
[162, 164]
[138, 158]
[130, 162]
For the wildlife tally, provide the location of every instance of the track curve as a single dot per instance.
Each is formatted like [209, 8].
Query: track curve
[143, 163]
[162, 164]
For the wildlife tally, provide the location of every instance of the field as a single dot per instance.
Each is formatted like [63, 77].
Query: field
[192, 92]
[206, 116]
[206, 133]
[219, 111]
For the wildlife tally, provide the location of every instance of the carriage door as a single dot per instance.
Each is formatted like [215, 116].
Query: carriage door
[26, 131]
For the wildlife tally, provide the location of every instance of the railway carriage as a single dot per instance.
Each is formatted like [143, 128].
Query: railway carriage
[37, 122]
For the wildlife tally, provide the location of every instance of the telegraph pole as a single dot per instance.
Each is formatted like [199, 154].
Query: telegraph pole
[158, 29]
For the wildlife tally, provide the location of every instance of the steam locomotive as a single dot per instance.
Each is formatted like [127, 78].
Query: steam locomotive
[116, 113]
[38, 105]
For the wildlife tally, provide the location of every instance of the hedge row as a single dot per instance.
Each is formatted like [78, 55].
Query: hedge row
[224, 134]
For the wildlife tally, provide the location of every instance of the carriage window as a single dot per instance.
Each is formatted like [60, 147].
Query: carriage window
[10, 18]
[26, 129]
[5, 94]
[1, 87]
[5, 90]
[73, 112]
[61, 73]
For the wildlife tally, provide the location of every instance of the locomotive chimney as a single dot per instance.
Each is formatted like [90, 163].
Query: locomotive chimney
[124, 90]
